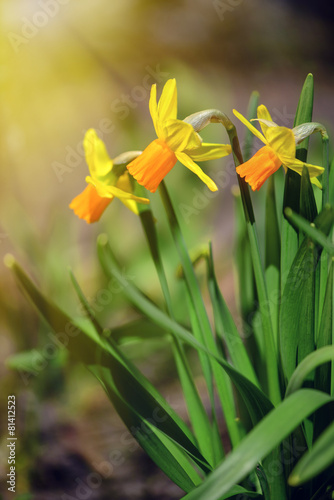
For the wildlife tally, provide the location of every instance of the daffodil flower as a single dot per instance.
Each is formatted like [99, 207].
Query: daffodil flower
[108, 179]
[177, 140]
[280, 149]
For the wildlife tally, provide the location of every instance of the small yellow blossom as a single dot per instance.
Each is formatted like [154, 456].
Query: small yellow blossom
[177, 140]
[105, 182]
[279, 149]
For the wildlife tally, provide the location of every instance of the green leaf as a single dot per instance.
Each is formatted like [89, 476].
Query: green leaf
[261, 440]
[271, 380]
[298, 300]
[331, 183]
[272, 254]
[257, 403]
[137, 330]
[77, 335]
[243, 261]
[297, 309]
[167, 454]
[208, 371]
[289, 241]
[201, 325]
[310, 363]
[289, 235]
[26, 361]
[87, 346]
[316, 460]
[307, 205]
[315, 233]
[225, 326]
[237, 492]
[304, 114]
[199, 419]
[325, 334]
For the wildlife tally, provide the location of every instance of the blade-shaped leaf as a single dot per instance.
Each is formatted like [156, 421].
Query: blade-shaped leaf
[307, 206]
[169, 457]
[289, 239]
[226, 327]
[298, 300]
[261, 440]
[310, 363]
[325, 334]
[319, 236]
[315, 460]
[297, 309]
[92, 349]
[272, 255]
[257, 403]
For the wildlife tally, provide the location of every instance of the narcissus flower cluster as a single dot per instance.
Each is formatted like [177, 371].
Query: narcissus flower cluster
[177, 140]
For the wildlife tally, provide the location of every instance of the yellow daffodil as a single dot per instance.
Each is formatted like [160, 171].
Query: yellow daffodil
[280, 149]
[108, 179]
[177, 140]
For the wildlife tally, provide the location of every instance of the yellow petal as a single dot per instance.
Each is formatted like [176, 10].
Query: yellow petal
[208, 151]
[131, 205]
[315, 181]
[112, 191]
[298, 166]
[154, 109]
[250, 126]
[282, 141]
[180, 135]
[98, 160]
[88, 205]
[167, 106]
[263, 114]
[188, 162]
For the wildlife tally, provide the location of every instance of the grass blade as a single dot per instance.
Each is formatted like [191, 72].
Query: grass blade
[310, 363]
[317, 235]
[289, 242]
[316, 460]
[169, 457]
[196, 411]
[257, 403]
[297, 309]
[272, 255]
[88, 347]
[266, 436]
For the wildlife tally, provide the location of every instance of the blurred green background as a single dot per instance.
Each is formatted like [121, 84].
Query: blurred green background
[68, 65]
